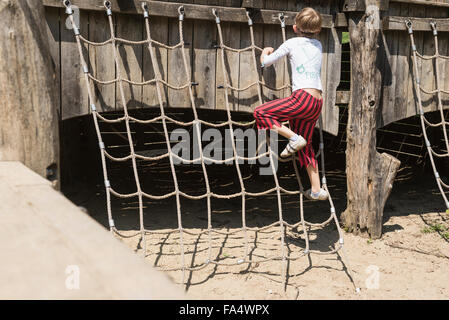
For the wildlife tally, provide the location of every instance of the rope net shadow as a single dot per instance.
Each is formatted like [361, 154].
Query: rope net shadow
[438, 91]
[229, 123]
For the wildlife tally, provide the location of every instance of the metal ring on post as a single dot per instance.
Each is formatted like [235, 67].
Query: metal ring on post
[282, 19]
[250, 21]
[181, 13]
[217, 18]
[408, 25]
[68, 7]
[433, 25]
[145, 9]
[108, 6]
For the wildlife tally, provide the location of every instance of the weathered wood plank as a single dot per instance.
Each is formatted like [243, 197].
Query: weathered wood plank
[427, 78]
[330, 113]
[29, 122]
[204, 63]
[54, 42]
[424, 2]
[277, 5]
[419, 23]
[342, 97]
[74, 95]
[402, 71]
[249, 99]
[324, 40]
[443, 47]
[412, 106]
[176, 73]
[360, 5]
[274, 74]
[159, 32]
[102, 64]
[390, 47]
[410, 97]
[253, 4]
[229, 3]
[296, 6]
[192, 11]
[231, 37]
[129, 60]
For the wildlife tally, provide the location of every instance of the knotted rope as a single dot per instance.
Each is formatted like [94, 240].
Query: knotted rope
[438, 90]
[229, 123]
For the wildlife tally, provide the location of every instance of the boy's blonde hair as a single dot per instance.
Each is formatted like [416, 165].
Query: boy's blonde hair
[308, 22]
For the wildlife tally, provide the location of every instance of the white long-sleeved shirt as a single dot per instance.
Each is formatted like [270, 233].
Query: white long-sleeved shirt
[305, 55]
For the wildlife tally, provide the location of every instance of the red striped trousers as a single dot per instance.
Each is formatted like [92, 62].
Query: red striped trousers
[302, 110]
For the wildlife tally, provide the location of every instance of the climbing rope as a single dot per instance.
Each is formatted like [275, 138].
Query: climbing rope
[438, 90]
[196, 122]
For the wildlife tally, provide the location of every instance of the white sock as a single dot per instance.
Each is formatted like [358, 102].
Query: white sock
[315, 194]
[294, 138]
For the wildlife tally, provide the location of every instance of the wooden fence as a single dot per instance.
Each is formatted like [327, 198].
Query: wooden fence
[398, 97]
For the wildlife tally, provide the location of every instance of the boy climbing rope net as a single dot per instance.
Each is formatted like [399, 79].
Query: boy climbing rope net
[302, 109]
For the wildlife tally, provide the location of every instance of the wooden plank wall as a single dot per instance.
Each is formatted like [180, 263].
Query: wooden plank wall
[399, 95]
[203, 59]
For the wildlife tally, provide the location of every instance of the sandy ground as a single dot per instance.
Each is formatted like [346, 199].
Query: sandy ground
[406, 263]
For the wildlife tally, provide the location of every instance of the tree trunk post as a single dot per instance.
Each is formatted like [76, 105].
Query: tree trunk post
[370, 175]
[28, 108]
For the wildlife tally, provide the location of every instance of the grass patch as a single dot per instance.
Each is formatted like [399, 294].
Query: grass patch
[344, 37]
[439, 228]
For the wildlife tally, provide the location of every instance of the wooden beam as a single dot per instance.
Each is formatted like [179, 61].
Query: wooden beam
[192, 11]
[29, 122]
[253, 4]
[360, 5]
[424, 3]
[343, 97]
[340, 20]
[418, 24]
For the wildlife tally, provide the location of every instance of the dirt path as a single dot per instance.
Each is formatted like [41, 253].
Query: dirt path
[410, 261]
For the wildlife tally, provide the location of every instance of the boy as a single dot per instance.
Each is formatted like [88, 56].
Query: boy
[303, 107]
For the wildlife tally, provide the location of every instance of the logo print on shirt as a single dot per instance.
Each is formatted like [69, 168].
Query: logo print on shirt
[301, 69]
[310, 61]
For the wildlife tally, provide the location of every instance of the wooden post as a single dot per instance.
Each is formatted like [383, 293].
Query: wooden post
[370, 175]
[28, 108]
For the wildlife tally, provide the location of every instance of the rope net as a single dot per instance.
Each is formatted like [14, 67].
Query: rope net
[438, 91]
[229, 123]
